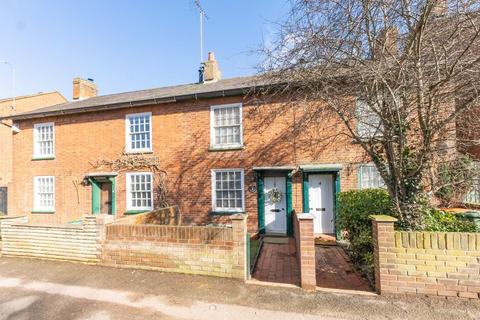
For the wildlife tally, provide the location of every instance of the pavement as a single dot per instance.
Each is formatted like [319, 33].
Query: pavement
[36, 289]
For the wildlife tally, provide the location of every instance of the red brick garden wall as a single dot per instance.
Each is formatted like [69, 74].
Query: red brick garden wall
[432, 263]
[215, 251]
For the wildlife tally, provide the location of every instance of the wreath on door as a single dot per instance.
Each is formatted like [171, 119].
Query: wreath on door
[275, 195]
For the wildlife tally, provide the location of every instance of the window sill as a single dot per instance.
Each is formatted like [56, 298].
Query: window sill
[131, 212]
[226, 148]
[139, 151]
[34, 158]
[43, 211]
[366, 139]
[226, 213]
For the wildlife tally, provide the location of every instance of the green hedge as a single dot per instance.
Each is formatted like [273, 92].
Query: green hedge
[437, 220]
[355, 207]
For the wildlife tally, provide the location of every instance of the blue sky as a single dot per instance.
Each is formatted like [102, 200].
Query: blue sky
[127, 44]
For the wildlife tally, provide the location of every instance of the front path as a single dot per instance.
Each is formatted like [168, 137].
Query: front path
[34, 289]
[278, 263]
[335, 270]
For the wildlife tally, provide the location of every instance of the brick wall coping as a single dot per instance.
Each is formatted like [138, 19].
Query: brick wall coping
[382, 218]
[304, 216]
[145, 225]
[10, 217]
[48, 226]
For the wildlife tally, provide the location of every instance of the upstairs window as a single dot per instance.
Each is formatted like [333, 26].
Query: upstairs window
[226, 126]
[227, 190]
[43, 140]
[44, 193]
[473, 196]
[369, 123]
[140, 191]
[369, 177]
[139, 132]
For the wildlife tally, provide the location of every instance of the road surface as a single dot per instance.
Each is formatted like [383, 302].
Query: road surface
[36, 289]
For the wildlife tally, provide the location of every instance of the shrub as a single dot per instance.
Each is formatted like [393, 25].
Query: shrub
[355, 207]
[456, 178]
[437, 220]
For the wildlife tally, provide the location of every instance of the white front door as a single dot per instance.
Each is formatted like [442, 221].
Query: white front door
[275, 205]
[320, 198]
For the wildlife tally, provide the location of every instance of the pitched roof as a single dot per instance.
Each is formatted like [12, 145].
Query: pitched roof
[29, 96]
[27, 103]
[221, 88]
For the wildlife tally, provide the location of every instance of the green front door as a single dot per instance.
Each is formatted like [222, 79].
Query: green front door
[274, 217]
[103, 195]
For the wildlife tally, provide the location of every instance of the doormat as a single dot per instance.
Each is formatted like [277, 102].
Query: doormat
[321, 242]
[325, 241]
[276, 240]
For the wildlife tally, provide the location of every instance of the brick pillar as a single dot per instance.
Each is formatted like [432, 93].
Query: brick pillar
[239, 229]
[95, 225]
[306, 251]
[383, 240]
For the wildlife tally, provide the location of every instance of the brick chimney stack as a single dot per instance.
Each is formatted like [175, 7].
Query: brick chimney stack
[440, 8]
[387, 42]
[210, 71]
[84, 89]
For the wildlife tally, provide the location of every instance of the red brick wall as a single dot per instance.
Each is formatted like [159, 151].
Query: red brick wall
[22, 104]
[273, 135]
[186, 249]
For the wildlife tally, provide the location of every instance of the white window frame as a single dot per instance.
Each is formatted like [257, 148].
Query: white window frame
[213, 145]
[128, 142]
[36, 200]
[364, 129]
[473, 196]
[36, 149]
[214, 194]
[129, 194]
[360, 176]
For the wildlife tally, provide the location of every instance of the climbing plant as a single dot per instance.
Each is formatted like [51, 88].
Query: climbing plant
[135, 162]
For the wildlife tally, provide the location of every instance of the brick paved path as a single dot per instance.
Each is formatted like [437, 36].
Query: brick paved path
[278, 263]
[335, 270]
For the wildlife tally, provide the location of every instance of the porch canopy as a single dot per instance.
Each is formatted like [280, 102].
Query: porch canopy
[101, 176]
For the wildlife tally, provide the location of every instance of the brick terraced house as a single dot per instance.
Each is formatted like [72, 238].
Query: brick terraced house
[222, 149]
[8, 107]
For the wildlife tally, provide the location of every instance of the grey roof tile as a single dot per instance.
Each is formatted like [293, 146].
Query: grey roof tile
[126, 99]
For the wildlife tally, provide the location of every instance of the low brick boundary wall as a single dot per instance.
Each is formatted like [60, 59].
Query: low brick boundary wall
[163, 216]
[80, 243]
[215, 251]
[305, 249]
[432, 263]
